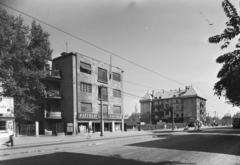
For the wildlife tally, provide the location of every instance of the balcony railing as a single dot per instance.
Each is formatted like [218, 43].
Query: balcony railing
[6, 115]
[53, 94]
[54, 74]
[53, 115]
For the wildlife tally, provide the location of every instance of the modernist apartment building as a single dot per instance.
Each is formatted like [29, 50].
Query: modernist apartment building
[185, 104]
[72, 96]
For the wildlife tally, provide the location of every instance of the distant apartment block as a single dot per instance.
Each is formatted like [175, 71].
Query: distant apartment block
[184, 104]
[72, 95]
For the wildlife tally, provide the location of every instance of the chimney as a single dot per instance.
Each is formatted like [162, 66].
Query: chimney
[153, 93]
[63, 53]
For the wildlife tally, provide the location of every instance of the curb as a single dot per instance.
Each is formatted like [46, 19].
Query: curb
[70, 146]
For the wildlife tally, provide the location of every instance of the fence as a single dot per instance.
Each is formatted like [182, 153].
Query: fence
[27, 130]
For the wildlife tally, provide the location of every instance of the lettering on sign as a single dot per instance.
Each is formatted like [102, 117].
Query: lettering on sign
[112, 116]
[88, 115]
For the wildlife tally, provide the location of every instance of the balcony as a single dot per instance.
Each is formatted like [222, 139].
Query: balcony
[53, 115]
[53, 94]
[55, 74]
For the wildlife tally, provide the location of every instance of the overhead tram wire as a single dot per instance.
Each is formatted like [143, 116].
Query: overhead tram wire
[93, 44]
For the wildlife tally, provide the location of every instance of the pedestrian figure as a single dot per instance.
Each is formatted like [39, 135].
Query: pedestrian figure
[10, 141]
[89, 130]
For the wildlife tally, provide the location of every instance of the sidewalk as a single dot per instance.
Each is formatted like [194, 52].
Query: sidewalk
[21, 141]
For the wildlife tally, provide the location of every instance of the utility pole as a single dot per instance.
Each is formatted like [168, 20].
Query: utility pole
[101, 90]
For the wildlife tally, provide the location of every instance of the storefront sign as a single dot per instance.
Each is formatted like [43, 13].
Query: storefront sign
[113, 116]
[6, 105]
[87, 115]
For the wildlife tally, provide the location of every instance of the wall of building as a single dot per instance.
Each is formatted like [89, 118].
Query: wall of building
[93, 79]
[145, 112]
[189, 108]
[67, 84]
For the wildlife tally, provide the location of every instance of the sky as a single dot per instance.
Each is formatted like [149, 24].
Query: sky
[168, 37]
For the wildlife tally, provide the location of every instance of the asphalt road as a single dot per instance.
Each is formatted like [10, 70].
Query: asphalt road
[210, 146]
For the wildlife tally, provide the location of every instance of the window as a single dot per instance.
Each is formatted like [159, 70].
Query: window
[177, 115]
[86, 87]
[116, 93]
[116, 77]
[117, 109]
[86, 107]
[155, 103]
[104, 93]
[105, 110]
[156, 110]
[86, 68]
[102, 75]
[156, 116]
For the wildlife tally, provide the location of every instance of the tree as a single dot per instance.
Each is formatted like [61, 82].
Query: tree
[24, 52]
[229, 84]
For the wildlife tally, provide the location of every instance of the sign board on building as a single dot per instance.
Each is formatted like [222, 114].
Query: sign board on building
[87, 116]
[114, 116]
[6, 106]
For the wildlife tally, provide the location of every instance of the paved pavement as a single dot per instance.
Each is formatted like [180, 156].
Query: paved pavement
[182, 148]
[26, 145]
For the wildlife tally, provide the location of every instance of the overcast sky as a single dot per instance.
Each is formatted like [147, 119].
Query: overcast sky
[168, 37]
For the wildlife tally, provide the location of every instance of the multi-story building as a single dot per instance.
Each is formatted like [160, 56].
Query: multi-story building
[184, 104]
[73, 88]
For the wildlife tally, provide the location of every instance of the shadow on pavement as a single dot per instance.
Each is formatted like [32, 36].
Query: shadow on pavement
[226, 144]
[63, 158]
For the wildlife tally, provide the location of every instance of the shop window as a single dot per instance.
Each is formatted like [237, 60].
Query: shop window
[102, 75]
[117, 109]
[104, 93]
[116, 77]
[86, 68]
[86, 87]
[116, 93]
[86, 107]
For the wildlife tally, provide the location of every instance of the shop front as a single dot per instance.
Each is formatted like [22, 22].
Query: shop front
[111, 123]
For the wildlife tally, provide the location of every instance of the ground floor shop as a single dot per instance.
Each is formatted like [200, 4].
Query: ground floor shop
[108, 125]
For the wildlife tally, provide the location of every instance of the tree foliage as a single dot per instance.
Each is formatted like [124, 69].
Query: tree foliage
[229, 84]
[23, 53]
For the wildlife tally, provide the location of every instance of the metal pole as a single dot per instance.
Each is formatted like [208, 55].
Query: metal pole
[172, 119]
[101, 89]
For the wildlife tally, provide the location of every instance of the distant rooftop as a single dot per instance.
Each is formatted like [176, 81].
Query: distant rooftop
[189, 91]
